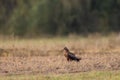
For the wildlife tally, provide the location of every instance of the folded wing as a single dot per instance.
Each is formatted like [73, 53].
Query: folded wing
[73, 57]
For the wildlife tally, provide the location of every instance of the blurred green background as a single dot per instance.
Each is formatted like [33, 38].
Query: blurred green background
[58, 17]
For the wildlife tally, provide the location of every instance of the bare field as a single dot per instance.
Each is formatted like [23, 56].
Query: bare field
[45, 56]
[57, 64]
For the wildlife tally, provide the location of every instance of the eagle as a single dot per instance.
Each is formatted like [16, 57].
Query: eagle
[70, 56]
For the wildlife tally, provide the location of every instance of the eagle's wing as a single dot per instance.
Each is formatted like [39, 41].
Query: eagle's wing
[73, 57]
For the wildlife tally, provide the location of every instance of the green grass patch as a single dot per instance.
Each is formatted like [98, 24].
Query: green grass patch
[94, 75]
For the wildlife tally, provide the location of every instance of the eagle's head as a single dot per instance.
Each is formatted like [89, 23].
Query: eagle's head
[66, 49]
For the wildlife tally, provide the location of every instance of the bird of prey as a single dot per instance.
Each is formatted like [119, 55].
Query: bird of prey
[70, 56]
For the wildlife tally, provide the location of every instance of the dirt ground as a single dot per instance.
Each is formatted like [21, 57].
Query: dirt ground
[58, 64]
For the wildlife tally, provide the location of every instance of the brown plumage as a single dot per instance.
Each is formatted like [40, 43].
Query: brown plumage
[70, 56]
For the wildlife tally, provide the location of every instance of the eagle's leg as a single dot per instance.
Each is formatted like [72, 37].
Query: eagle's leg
[68, 59]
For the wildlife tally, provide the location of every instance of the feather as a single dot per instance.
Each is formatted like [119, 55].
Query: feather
[70, 56]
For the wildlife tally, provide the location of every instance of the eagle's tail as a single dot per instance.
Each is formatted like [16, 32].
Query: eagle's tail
[78, 59]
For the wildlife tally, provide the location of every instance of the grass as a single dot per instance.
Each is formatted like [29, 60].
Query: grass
[53, 46]
[100, 58]
[94, 75]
